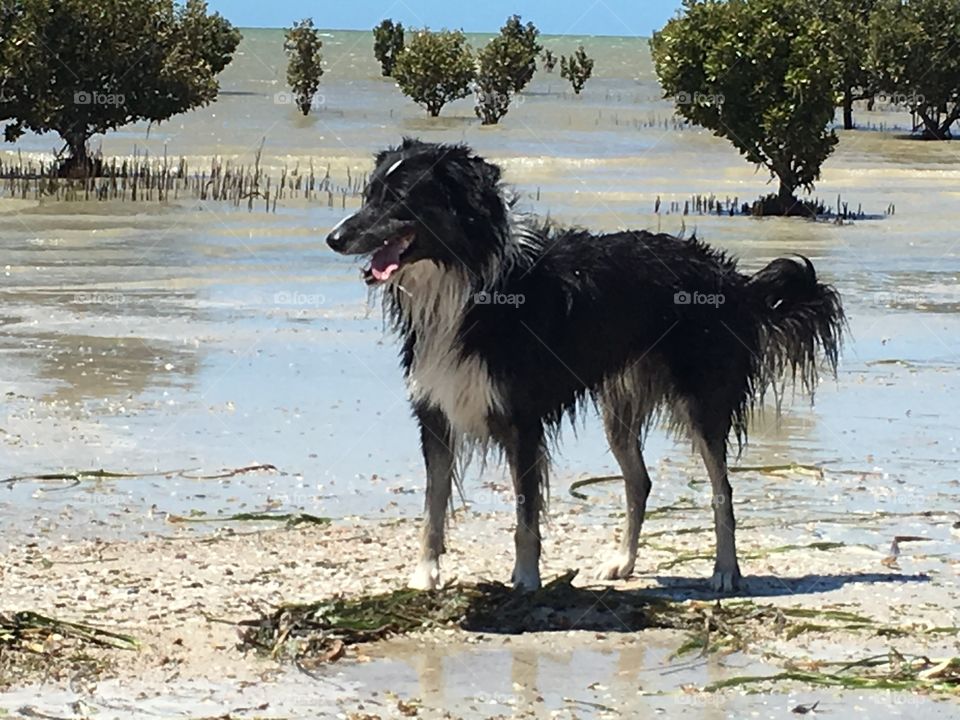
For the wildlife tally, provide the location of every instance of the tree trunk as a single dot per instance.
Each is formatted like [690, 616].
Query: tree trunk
[847, 109]
[931, 125]
[785, 196]
[78, 162]
[948, 121]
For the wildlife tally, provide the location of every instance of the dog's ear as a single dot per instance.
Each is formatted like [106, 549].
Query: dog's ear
[411, 143]
[382, 155]
[407, 144]
[488, 172]
[408, 147]
[472, 186]
[461, 160]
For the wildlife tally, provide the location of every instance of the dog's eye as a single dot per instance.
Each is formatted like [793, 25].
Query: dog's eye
[389, 194]
[380, 192]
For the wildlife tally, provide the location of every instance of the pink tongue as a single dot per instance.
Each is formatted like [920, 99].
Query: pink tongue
[385, 261]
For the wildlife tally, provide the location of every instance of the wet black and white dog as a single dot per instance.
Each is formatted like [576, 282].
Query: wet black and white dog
[508, 324]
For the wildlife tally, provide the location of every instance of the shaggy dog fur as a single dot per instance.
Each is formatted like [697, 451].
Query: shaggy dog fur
[508, 324]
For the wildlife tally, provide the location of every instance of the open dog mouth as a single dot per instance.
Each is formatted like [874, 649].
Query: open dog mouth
[386, 260]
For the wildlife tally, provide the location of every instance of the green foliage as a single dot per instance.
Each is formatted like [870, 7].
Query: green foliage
[577, 69]
[387, 44]
[915, 47]
[495, 80]
[435, 68]
[302, 44]
[549, 60]
[758, 73]
[848, 24]
[519, 49]
[80, 67]
[504, 66]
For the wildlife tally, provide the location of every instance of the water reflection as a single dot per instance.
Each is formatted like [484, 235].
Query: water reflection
[552, 675]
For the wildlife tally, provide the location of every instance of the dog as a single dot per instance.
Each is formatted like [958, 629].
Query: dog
[509, 324]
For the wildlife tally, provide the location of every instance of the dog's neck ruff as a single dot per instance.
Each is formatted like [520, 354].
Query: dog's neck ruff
[431, 302]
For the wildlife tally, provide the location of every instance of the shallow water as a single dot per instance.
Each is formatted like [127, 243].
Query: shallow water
[165, 338]
[560, 677]
[146, 337]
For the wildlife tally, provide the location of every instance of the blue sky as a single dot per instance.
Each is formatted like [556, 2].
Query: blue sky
[583, 17]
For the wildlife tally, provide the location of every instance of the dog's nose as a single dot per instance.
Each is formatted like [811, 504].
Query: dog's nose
[337, 239]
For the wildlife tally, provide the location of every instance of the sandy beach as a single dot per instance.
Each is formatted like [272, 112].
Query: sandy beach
[182, 593]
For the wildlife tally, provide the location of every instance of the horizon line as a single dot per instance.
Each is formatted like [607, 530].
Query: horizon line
[467, 32]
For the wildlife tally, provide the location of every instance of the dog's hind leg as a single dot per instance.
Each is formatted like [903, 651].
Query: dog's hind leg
[528, 466]
[437, 441]
[623, 434]
[726, 570]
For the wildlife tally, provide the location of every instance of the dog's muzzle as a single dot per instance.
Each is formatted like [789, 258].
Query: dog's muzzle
[338, 239]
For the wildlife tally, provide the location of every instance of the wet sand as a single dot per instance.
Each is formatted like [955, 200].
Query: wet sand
[181, 594]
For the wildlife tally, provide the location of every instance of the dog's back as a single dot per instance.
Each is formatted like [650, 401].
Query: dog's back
[670, 316]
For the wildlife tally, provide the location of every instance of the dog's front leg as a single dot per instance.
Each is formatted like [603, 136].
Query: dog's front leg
[436, 439]
[528, 463]
[726, 572]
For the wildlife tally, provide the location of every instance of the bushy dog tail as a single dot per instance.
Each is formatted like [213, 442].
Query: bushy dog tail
[800, 320]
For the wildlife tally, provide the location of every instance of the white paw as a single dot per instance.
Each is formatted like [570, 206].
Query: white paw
[426, 576]
[618, 567]
[526, 578]
[726, 580]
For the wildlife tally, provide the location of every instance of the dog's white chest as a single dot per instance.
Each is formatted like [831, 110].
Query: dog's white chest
[462, 388]
[440, 374]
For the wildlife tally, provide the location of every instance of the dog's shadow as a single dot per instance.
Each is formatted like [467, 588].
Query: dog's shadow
[754, 586]
[561, 606]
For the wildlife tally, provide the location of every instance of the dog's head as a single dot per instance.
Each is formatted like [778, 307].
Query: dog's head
[426, 202]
